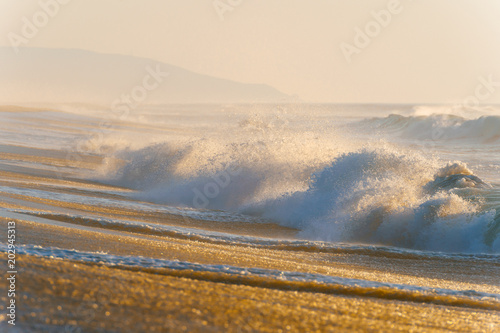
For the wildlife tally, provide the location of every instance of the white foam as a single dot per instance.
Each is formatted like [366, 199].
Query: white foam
[326, 280]
[329, 188]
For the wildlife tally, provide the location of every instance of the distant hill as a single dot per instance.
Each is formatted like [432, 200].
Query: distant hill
[76, 76]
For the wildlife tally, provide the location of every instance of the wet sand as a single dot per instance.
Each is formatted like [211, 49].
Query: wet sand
[61, 295]
[118, 242]
[75, 296]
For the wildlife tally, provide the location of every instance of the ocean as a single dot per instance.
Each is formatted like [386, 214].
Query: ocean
[388, 203]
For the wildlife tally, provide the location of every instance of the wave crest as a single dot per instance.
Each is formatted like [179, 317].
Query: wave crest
[372, 195]
[438, 127]
[382, 196]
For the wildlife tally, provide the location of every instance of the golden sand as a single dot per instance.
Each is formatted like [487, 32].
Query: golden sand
[60, 294]
[119, 242]
[74, 296]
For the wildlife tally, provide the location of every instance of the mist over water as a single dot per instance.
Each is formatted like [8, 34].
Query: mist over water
[364, 174]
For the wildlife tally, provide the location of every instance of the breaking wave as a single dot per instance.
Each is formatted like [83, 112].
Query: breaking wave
[438, 127]
[375, 195]
[384, 197]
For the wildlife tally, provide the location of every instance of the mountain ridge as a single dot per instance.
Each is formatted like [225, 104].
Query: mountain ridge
[81, 76]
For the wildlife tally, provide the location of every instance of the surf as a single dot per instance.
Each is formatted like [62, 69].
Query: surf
[375, 195]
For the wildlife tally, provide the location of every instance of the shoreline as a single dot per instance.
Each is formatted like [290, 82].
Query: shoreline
[55, 207]
[108, 299]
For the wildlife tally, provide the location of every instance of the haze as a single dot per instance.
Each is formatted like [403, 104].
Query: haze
[428, 51]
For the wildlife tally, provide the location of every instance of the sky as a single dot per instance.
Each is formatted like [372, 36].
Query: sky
[335, 51]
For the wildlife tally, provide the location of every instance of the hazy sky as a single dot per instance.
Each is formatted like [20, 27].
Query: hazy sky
[425, 51]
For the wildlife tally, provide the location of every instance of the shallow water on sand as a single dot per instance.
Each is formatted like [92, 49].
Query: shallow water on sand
[393, 208]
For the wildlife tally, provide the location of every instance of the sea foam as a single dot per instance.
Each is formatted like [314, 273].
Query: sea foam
[328, 181]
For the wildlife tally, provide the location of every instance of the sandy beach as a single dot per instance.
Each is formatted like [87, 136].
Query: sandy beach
[231, 286]
[59, 295]
[249, 166]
